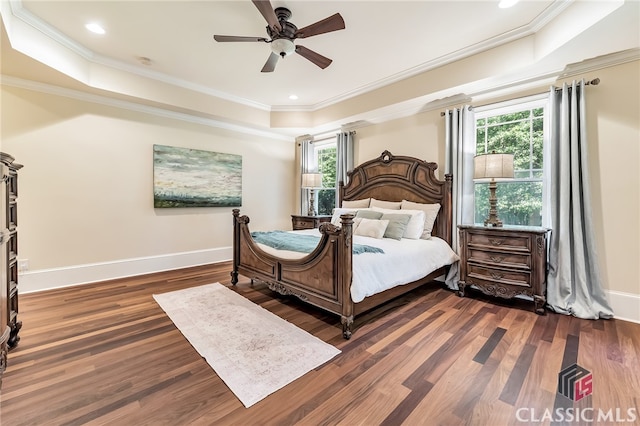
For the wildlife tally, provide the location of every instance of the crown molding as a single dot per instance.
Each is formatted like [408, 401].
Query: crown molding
[600, 62]
[137, 107]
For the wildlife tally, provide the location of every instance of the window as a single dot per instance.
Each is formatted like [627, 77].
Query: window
[324, 153]
[516, 129]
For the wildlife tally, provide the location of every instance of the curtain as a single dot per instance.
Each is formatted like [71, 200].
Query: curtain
[306, 165]
[573, 282]
[344, 160]
[460, 148]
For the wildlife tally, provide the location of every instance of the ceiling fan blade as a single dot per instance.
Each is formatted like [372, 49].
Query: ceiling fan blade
[270, 65]
[237, 38]
[332, 23]
[265, 8]
[314, 57]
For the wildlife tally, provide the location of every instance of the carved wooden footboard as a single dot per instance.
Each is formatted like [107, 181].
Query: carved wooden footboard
[323, 277]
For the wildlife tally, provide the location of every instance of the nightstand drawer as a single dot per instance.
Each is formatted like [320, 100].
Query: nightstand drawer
[501, 276]
[308, 222]
[305, 224]
[500, 259]
[521, 243]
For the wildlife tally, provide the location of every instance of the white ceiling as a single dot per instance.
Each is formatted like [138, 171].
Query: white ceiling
[384, 41]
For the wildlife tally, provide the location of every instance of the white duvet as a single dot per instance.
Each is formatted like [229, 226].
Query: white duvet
[403, 261]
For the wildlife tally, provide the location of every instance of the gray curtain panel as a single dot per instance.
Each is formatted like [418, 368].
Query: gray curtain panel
[306, 150]
[574, 285]
[460, 148]
[344, 160]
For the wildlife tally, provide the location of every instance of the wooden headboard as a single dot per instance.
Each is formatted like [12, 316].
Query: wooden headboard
[397, 178]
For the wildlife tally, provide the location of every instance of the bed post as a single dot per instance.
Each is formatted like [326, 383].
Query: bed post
[345, 260]
[236, 247]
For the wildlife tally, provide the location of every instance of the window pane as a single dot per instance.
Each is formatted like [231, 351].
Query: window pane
[327, 166]
[520, 133]
[326, 198]
[519, 203]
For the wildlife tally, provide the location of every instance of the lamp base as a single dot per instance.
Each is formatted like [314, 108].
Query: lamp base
[312, 209]
[493, 220]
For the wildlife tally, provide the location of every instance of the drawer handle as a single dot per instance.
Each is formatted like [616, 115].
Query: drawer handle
[496, 259]
[496, 241]
[496, 275]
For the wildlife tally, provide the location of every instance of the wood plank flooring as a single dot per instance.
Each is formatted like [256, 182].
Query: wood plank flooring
[106, 354]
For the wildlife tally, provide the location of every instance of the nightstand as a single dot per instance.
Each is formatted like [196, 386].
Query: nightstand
[505, 262]
[308, 222]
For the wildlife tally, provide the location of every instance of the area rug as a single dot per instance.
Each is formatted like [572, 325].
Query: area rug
[254, 351]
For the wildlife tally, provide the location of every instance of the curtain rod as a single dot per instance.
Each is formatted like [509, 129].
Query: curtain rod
[593, 82]
[324, 138]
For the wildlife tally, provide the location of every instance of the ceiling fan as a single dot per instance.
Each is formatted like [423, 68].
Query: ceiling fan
[282, 33]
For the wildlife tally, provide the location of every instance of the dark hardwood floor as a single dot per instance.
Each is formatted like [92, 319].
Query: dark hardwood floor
[106, 353]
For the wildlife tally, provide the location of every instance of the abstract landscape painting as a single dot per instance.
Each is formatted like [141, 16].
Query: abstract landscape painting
[184, 177]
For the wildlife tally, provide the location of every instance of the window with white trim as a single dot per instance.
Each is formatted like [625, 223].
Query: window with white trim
[519, 129]
[324, 153]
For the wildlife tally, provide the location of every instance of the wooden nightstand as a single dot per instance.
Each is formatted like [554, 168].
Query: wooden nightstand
[505, 262]
[308, 222]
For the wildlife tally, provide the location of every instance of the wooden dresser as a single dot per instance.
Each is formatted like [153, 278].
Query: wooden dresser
[9, 323]
[505, 262]
[308, 222]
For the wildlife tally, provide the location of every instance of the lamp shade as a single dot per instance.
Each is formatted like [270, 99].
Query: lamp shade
[312, 180]
[493, 166]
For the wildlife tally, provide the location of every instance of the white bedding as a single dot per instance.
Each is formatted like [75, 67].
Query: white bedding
[403, 261]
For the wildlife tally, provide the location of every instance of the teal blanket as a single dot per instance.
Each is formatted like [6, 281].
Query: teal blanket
[283, 240]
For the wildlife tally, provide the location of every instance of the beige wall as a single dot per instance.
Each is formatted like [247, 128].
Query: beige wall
[86, 191]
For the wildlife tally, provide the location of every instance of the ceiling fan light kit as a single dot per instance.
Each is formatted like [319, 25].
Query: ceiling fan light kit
[283, 47]
[282, 33]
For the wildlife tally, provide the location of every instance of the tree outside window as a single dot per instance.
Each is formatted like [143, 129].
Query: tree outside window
[520, 133]
[326, 158]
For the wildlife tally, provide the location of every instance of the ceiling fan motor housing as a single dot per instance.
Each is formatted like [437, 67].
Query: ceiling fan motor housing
[282, 42]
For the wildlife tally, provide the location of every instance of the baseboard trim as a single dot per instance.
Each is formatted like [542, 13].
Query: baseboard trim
[48, 279]
[626, 306]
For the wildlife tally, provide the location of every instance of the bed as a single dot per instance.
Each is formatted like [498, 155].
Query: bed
[324, 277]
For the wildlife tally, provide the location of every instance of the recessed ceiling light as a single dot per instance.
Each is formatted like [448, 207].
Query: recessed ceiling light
[293, 97]
[95, 28]
[506, 3]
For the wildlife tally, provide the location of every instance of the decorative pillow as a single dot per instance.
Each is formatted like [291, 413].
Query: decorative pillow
[371, 228]
[369, 214]
[391, 205]
[355, 204]
[397, 225]
[415, 227]
[335, 218]
[430, 215]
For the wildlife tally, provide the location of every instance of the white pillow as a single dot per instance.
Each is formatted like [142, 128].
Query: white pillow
[335, 218]
[430, 215]
[355, 204]
[371, 228]
[415, 227]
[391, 205]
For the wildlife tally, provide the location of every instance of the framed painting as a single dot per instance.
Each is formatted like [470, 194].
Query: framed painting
[184, 177]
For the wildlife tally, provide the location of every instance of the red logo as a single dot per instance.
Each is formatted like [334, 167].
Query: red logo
[575, 382]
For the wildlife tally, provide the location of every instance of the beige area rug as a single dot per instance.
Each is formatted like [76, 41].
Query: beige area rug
[252, 350]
